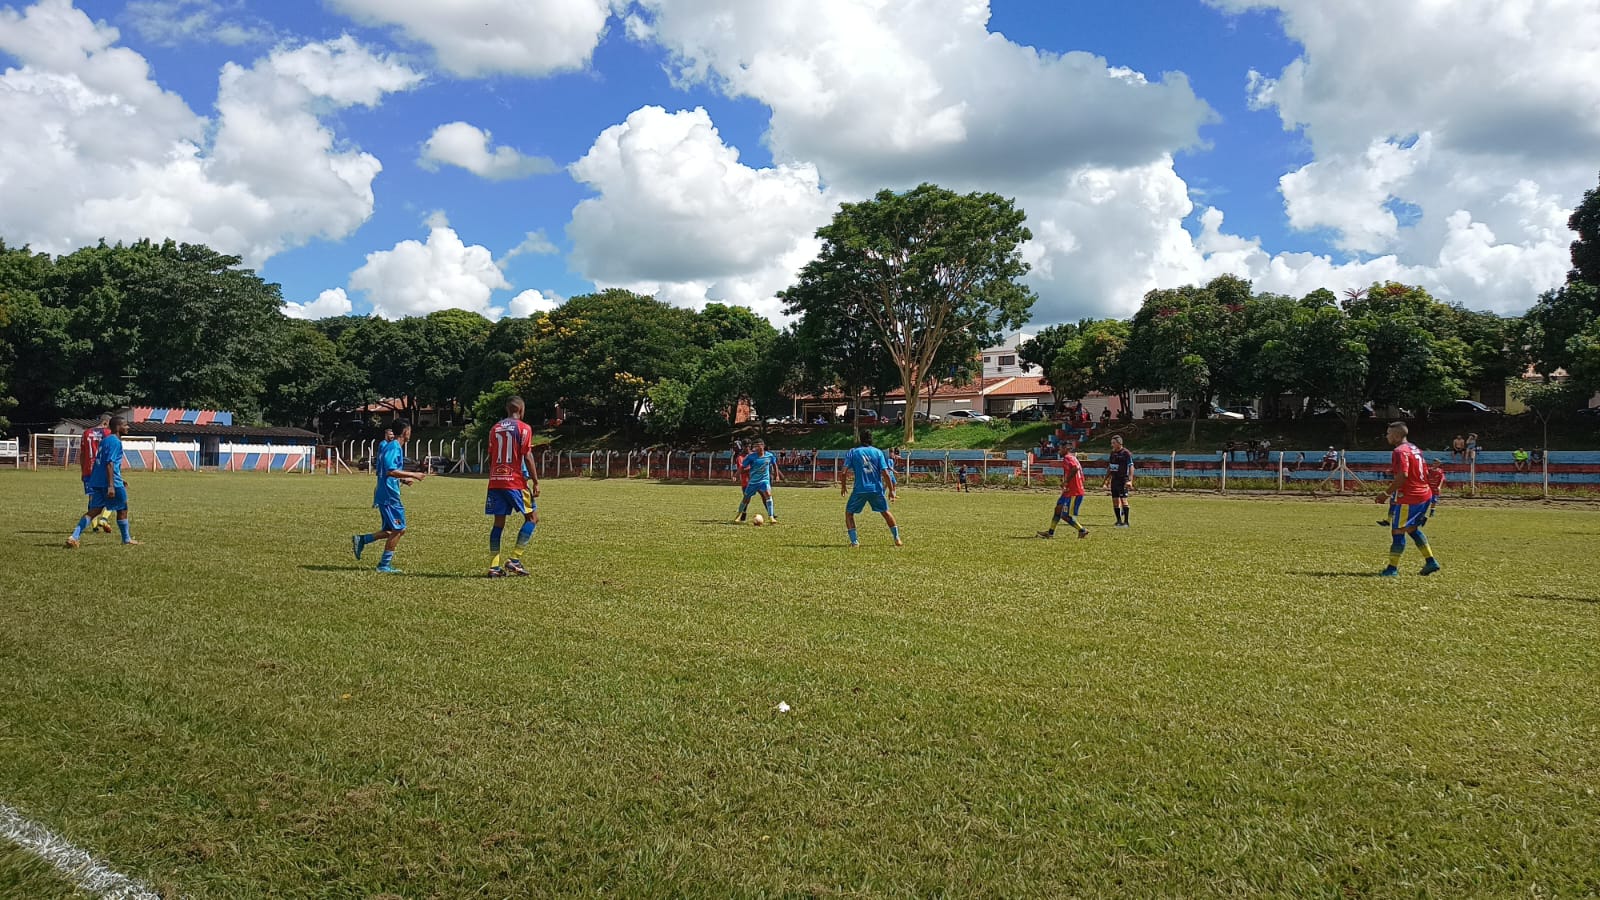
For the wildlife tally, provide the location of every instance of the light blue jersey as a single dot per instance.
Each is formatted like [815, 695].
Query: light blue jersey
[760, 466]
[389, 457]
[110, 454]
[867, 464]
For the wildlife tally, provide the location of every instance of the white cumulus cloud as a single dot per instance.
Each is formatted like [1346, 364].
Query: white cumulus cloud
[677, 213]
[890, 92]
[416, 278]
[332, 302]
[107, 152]
[174, 22]
[484, 37]
[529, 302]
[1478, 117]
[467, 146]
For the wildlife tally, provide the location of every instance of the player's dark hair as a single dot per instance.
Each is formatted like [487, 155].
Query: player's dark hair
[515, 404]
[399, 426]
[866, 439]
[114, 421]
[1400, 427]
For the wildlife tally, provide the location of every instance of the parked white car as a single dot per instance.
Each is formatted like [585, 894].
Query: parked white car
[966, 415]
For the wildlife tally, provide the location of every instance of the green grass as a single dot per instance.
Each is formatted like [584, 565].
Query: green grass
[1219, 701]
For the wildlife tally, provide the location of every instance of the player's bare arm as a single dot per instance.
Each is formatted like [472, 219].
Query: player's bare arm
[533, 473]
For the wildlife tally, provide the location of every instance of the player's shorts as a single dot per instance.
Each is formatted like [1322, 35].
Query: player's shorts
[1408, 515]
[86, 485]
[756, 487]
[393, 515]
[1119, 489]
[99, 500]
[874, 499]
[1068, 500]
[506, 501]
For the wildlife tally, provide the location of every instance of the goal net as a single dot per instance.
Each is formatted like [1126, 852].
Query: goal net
[61, 450]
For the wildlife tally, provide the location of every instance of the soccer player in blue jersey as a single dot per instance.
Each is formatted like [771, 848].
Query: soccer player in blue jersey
[760, 466]
[869, 469]
[389, 464]
[107, 491]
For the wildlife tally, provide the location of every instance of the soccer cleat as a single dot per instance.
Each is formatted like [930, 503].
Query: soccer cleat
[1430, 567]
[1389, 572]
[496, 572]
[1046, 534]
[773, 520]
[514, 567]
[1384, 522]
[854, 545]
[899, 543]
[72, 543]
[356, 545]
[1083, 533]
[388, 570]
[130, 542]
[741, 518]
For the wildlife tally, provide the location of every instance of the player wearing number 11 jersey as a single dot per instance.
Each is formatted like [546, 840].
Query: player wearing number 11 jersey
[513, 486]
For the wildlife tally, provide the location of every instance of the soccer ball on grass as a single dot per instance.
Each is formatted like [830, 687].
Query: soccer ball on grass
[758, 521]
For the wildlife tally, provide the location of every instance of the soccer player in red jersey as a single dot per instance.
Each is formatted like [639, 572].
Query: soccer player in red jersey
[513, 486]
[88, 447]
[1435, 477]
[1409, 496]
[1071, 496]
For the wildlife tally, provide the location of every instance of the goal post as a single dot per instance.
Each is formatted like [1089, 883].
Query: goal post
[61, 451]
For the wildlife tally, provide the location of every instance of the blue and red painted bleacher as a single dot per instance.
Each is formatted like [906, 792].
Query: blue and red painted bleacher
[157, 416]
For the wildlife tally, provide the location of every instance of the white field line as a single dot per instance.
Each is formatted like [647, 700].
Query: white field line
[85, 871]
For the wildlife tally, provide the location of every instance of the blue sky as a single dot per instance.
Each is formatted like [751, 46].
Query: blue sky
[1165, 163]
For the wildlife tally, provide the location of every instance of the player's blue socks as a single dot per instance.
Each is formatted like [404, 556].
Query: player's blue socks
[1077, 505]
[525, 534]
[122, 526]
[770, 513]
[852, 533]
[494, 538]
[895, 531]
[82, 524]
[387, 562]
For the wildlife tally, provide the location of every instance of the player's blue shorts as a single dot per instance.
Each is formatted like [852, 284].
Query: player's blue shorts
[1070, 501]
[1407, 516]
[756, 487]
[86, 490]
[505, 502]
[394, 516]
[874, 499]
[99, 500]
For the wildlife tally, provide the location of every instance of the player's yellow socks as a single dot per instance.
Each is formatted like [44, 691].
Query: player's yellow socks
[516, 555]
[495, 563]
[1394, 560]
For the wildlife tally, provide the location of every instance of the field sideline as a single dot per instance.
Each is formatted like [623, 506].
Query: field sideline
[1218, 701]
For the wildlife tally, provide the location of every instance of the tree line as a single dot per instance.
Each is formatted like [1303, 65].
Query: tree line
[907, 290]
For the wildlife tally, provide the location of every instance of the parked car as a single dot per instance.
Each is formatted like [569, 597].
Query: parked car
[1466, 407]
[968, 416]
[1249, 412]
[867, 416]
[1590, 412]
[1034, 413]
[921, 418]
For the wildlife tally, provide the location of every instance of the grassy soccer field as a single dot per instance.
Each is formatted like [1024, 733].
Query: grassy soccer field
[1218, 701]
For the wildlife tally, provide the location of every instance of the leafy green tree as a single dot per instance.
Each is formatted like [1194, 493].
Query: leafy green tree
[723, 379]
[668, 404]
[488, 408]
[1552, 323]
[309, 378]
[600, 353]
[1187, 340]
[922, 268]
[387, 351]
[1328, 358]
[449, 342]
[833, 349]
[1585, 221]
[500, 351]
